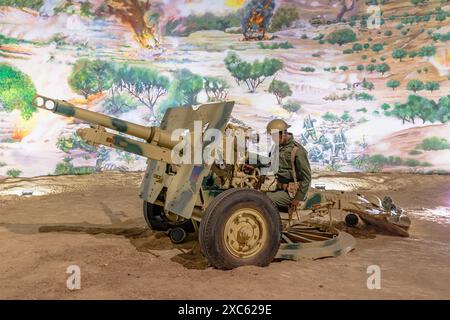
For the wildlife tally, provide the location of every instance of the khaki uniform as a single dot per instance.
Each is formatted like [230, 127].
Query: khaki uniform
[281, 198]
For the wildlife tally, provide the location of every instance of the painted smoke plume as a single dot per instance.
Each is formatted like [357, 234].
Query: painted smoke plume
[137, 15]
[256, 18]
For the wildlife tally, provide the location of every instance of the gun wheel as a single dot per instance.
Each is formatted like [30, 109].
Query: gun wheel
[245, 232]
[157, 219]
[240, 227]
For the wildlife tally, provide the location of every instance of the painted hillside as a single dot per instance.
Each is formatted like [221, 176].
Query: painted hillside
[364, 84]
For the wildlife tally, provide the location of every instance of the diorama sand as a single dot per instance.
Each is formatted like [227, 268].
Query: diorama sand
[95, 222]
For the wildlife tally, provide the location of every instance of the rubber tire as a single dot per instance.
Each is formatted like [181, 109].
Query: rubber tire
[177, 235]
[157, 221]
[213, 223]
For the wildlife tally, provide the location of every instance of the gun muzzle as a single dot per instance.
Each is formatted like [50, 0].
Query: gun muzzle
[64, 108]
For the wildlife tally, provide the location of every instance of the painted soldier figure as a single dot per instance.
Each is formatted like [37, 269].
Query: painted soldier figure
[340, 143]
[308, 125]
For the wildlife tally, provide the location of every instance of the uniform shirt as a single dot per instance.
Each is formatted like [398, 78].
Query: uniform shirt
[302, 167]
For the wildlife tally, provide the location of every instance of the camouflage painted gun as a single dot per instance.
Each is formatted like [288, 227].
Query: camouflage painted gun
[239, 224]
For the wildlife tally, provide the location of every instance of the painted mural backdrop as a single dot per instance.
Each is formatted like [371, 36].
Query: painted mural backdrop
[364, 84]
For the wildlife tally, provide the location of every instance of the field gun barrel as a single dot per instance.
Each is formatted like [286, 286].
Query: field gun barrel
[64, 108]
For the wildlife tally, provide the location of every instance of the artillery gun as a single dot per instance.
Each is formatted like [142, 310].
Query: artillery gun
[237, 224]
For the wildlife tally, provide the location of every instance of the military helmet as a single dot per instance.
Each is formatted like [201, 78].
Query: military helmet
[277, 124]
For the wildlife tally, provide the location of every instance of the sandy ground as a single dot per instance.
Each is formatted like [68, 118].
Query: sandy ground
[42, 235]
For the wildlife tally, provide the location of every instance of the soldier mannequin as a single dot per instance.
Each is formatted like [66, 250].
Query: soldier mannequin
[281, 197]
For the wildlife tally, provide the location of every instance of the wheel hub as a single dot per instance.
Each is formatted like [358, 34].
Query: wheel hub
[245, 232]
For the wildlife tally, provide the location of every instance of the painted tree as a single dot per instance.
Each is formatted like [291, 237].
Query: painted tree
[368, 85]
[412, 54]
[383, 68]
[328, 116]
[393, 84]
[346, 117]
[377, 47]
[441, 16]
[370, 67]
[190, 84]
[399, 54]
[443, 112]
[17, 91]
[238, 68]
[280, 90]
[434, 143]
[183, 90]
[427, 51]
[342, 36]
[292, 106]
[432, 86]
[119, 103]
[89, 77]
[357, 47]
[216, 88]
[252, 74]
[402, 112]
[385, 107]
[144, 84]
[415, 85]
[421, 107]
